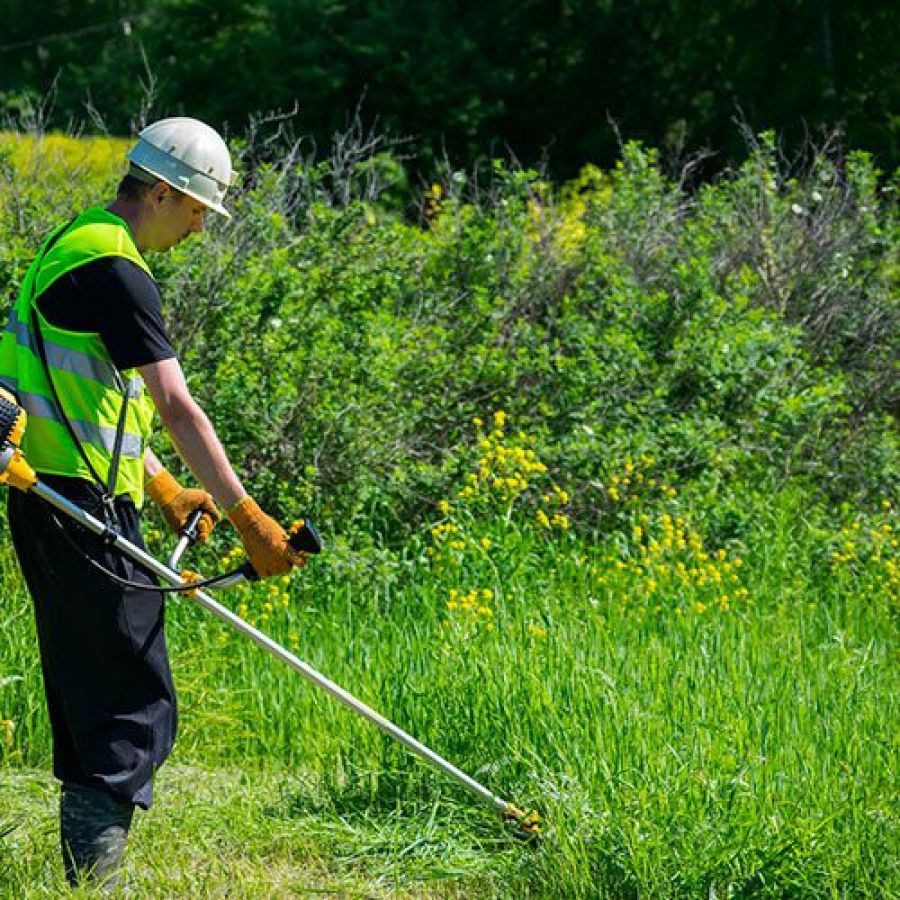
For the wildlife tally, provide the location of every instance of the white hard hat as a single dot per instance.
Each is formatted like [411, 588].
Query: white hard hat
[188, 155]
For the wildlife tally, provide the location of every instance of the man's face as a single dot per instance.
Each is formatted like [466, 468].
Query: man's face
[175, 216]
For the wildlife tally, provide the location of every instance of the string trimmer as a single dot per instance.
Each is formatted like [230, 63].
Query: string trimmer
[17, 473]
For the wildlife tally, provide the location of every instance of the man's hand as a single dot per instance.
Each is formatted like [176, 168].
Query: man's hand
[177, 504]
[265, 541]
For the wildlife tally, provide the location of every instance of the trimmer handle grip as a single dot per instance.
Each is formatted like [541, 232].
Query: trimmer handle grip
[187, 537]
[191, 530]
[302, 536]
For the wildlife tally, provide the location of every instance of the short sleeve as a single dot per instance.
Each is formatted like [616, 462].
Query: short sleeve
[117, 299]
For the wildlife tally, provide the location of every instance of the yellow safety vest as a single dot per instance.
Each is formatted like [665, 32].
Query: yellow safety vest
[89, 387]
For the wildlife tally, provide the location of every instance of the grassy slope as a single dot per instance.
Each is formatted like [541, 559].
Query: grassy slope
[225, 834]
[740, 751]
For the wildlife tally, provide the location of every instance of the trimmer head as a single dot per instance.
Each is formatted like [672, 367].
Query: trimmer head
[527, 826]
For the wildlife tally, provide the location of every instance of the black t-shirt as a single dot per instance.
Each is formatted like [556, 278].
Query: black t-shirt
[116, 298]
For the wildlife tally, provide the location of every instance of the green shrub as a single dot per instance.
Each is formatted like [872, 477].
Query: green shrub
[341, 348]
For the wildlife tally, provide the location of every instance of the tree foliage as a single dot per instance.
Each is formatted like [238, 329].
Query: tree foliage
[472, 78]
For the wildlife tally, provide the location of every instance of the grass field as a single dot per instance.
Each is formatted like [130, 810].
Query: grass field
[681, 732]
[688, 667]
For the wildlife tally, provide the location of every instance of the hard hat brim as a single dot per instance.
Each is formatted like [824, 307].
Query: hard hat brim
[215, 207]
[151, 178]
[205, 183]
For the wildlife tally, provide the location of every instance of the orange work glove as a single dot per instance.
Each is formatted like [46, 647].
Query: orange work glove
[265, 541]
[177, 503]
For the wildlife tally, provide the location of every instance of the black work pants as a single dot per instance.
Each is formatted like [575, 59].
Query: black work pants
[103, 649]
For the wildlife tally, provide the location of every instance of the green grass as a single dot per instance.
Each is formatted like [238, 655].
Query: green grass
[228, 834]
[674, 746]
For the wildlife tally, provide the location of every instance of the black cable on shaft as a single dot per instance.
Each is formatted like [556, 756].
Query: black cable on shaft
[140, 585]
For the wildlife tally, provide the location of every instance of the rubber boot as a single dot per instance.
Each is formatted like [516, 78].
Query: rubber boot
[94, 827]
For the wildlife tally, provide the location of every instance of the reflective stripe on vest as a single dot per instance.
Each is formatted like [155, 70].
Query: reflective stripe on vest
[59, 357]
[89, 386]
[39, 407]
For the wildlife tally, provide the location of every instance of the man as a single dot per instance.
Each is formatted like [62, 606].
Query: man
[85, 342]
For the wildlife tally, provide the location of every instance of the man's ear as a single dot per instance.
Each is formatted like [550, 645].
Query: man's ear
[159, 192]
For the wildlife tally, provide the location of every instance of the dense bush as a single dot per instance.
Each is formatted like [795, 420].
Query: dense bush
[743, 335]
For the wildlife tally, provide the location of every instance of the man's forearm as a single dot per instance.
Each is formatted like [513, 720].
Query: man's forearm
[198, 445]
[152, 466]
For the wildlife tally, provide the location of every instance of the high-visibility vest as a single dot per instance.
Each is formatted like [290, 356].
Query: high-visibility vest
[89, 387]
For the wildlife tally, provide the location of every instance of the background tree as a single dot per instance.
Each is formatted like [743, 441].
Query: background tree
[534, 75]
